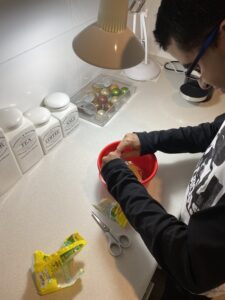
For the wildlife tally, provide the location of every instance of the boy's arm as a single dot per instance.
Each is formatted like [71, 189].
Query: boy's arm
[191, 139]
[193, 254]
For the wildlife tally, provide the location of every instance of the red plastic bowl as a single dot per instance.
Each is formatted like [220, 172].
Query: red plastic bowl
[147, 163]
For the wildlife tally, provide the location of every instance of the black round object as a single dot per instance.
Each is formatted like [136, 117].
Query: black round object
[191, 91]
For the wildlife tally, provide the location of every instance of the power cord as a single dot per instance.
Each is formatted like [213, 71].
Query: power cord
[175, 66]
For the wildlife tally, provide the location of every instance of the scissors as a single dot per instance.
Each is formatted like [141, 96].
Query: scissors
[115, 242]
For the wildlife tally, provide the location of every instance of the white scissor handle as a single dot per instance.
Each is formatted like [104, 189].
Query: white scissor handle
[124, 240]
[113, 245]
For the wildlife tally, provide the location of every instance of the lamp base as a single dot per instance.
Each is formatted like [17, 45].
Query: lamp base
[143, 71]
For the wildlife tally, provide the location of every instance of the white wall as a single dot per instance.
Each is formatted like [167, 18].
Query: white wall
[36, 56]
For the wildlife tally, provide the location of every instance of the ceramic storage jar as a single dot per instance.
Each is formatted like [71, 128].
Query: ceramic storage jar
[47, 127]
[9, 170]
[22, 137]
[62, 109]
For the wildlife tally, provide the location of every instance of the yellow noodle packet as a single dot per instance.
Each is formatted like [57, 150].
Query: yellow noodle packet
[111, 209]
[51, 272]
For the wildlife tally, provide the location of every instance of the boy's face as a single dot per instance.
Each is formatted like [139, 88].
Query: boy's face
[212, 63]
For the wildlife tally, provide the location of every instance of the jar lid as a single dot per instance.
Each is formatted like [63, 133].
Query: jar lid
[10, 118]
[57, 101]
[38, 115]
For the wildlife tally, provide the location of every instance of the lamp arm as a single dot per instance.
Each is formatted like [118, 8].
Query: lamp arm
[134, 22]
[135, 8]
[143, 26]
[147, 69]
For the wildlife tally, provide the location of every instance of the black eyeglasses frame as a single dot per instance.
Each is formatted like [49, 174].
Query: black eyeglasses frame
[208, 41]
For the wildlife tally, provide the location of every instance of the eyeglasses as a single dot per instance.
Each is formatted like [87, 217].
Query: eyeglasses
[193, 72]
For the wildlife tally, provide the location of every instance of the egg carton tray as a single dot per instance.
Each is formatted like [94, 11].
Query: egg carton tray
[101, 98]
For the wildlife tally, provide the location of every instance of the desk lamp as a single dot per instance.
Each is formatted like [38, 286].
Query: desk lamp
[148, 69]
[108, 43]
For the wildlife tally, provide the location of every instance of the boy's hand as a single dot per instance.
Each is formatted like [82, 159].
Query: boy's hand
[112, 155]
[132, 142]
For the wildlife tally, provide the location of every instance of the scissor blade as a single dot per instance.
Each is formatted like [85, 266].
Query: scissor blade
[103, 226]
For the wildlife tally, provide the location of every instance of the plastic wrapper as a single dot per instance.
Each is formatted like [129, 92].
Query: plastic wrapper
[112, 210]
[51, 272]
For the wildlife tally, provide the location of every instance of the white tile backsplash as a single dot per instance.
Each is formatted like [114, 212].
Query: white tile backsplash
[36, 56]
[25, 24]
[81, 12]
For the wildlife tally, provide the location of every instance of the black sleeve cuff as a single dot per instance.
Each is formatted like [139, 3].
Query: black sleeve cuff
[111, 165]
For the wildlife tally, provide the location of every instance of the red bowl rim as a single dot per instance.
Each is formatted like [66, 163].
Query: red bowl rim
[146, 180]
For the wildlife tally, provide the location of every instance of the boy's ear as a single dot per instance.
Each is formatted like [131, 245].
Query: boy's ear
[222, 26]
[222, 34]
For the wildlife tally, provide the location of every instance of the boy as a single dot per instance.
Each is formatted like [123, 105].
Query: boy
[191, 250]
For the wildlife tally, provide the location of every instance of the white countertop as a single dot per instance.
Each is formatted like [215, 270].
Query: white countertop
[54, 199]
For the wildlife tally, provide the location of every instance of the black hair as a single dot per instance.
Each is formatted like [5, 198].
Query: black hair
[187, 21]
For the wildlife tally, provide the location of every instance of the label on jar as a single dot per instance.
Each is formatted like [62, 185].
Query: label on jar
[70, 121]
[26, 148]
[52, 137]
[4, 150]
[25, 143]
